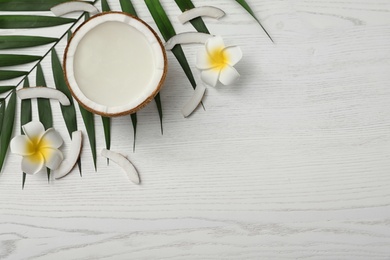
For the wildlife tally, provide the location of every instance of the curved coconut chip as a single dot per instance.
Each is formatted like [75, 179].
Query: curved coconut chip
[187, 37]
[70, 161]
[195, 100]
[73, 6]
[43, 92]
[209, 11]
[124, 163]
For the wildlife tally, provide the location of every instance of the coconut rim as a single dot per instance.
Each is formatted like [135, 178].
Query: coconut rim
[124, 110]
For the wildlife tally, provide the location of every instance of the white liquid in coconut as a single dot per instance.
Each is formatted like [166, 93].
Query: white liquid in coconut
[113, 64]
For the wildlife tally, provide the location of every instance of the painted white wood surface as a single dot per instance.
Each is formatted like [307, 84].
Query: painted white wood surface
[292, 162]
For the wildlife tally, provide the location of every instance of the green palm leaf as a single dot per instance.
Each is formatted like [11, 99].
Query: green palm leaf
[89, 122]
[245, 5]
[2, 111]
[25, 117]
[157, 99]
[23, 41]
[167, 31]
[44, 107]
[134, 122]
[24, 179]
[16, 59]
[198, 23]
[31, 21]
[25, 108]
[68, 112]
[28, 5]
[4, 89]
[7, 127]
[128, 7]
[105, 6]
[11, 74]
[107, 132]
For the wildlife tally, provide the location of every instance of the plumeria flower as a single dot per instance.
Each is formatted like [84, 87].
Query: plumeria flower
[38, 147]
[216, 62]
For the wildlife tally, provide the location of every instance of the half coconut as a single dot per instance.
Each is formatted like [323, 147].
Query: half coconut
[114, 64]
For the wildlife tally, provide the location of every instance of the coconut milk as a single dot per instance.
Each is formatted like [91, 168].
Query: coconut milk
[113, 64]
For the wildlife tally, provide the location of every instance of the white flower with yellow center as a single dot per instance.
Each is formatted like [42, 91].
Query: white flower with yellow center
[38, 147]
[216, 62]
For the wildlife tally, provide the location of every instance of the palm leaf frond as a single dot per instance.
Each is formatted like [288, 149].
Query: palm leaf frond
[157, 99]
[11, 74]
[134, 123]
[25, 108]
[4, 89]
[7, 127]
[89, 123]
[31, 21]
[127, 7]
[25, 117]
[24, 41]
[17, 59]
[28, 5]
[107, 132]
[68, 112]
[2, 111]
[105, 6]
[44, 107]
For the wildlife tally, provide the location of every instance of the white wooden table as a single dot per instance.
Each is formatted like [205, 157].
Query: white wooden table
[291, 162]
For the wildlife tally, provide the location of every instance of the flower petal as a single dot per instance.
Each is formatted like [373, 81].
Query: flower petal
[215, 43]
[51, 138]
[228, 75]
[34, 130]
[19, 145]
[53, 157]
[203, 60]
[234, 54]
[33, 164]
[210, 76]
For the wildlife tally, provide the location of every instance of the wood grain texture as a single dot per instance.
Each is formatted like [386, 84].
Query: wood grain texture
[293, 162]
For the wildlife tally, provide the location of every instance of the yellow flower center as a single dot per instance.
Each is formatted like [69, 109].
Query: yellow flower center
[36, 148]
[218, 59]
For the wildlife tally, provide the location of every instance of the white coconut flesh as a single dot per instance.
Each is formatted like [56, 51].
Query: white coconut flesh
[43, 92]
[186, 38]
[114, 64]
[73, 6]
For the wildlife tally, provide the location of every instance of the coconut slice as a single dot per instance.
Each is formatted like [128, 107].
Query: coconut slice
[114, 64]
[43, 92]
[187, 37]
[124, 163]
[209, 11]
[73, 6]
[74, 153]
[195, 100]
